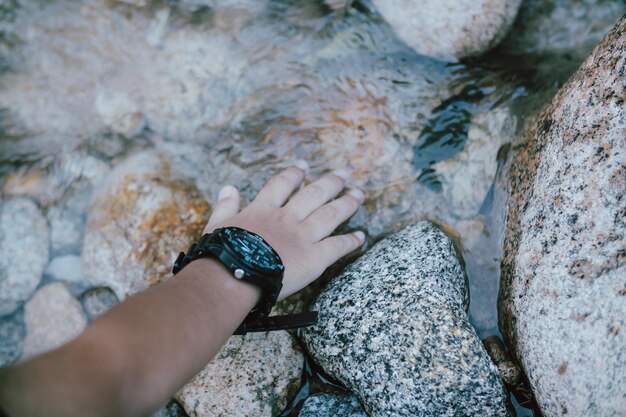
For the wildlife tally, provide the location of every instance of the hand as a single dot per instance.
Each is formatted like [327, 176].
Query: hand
[297, 229]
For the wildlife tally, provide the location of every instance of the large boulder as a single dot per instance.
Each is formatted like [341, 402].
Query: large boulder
[562, 296]
[449, 30]
[253, 376]
[394, 330]
[25, 247]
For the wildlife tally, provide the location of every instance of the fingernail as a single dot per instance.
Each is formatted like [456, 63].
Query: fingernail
[341, 173]
[301, 164]
[225, 192]
[358, 194]
[360, 235]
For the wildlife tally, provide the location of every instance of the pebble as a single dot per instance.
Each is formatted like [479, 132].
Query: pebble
[25, 247]
[97, 301]
[53, 317]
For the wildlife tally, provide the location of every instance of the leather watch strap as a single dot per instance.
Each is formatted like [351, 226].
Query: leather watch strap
[267, 324]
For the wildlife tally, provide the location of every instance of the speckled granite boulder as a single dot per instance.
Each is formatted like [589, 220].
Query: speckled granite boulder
[12, 334]
[255, 375]
[52, 318]
[563, 295]
[138, 222]
[327, 405]
[449, 30]
[24, 236]
[393, 328]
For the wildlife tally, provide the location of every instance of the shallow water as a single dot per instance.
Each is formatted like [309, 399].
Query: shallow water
[256, 84]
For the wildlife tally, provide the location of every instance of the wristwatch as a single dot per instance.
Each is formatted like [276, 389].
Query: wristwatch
[250, 258]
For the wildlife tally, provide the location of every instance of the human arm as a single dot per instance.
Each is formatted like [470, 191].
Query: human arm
[138, 354]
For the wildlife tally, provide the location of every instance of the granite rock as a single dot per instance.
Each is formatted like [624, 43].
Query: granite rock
[327, 405]
[25, 246]
[449, 30]
[97, 301]
[137, 223]
[171, 409]
[12, 334]
[562, 297]
[52, 317]
[394, 330]
[255, 375]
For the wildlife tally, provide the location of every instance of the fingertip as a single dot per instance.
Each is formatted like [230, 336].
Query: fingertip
[226, 192]
[360, 236]
[302, 165]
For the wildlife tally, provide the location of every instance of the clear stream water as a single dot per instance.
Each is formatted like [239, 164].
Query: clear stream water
[261, 83]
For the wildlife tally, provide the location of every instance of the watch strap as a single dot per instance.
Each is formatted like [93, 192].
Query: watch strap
[270, 323]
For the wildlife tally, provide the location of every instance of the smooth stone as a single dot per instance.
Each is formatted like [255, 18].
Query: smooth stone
[255, 375]
[394, 330]
[327, 405]
[467, 176]
[12, 334]
[171, 409]
[97, 301]
[562, 297]
[25, 246]
[449, 30]
[138, 222]
[66, 268]
[52, 317]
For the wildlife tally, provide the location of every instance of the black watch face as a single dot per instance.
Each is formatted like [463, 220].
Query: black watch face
[253, 250]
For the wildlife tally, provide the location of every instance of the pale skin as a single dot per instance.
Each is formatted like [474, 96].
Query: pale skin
[133, 358]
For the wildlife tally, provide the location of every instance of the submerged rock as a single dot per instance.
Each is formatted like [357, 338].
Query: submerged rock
[97, 301]
[393, 328]
[327, 405]
[52, 318]
[137, 224]
[254, 375]
[449, 30]
[66, 268]
[562, 295]
[12, 334]
[25, 247]
[468, 175]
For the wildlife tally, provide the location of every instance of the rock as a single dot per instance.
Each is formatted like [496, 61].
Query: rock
[24, 245]
[562, 291]
[97, 301]
[52, 318]
[171, 409]
[393, 329]
[120, 113]
[468, 175]
[558, 26]
[255, 375]
[12, 334]
[138, 222]
[327, 405]
[66, 268]
[449, 30]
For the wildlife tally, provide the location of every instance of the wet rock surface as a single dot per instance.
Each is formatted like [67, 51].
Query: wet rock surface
[254, 375]
[564, 263]
[327, 405]
[449, 30]
[137, 224]
[12, 334]
[97, 301]
[394, 330]
[25, 247]
[52, 317]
